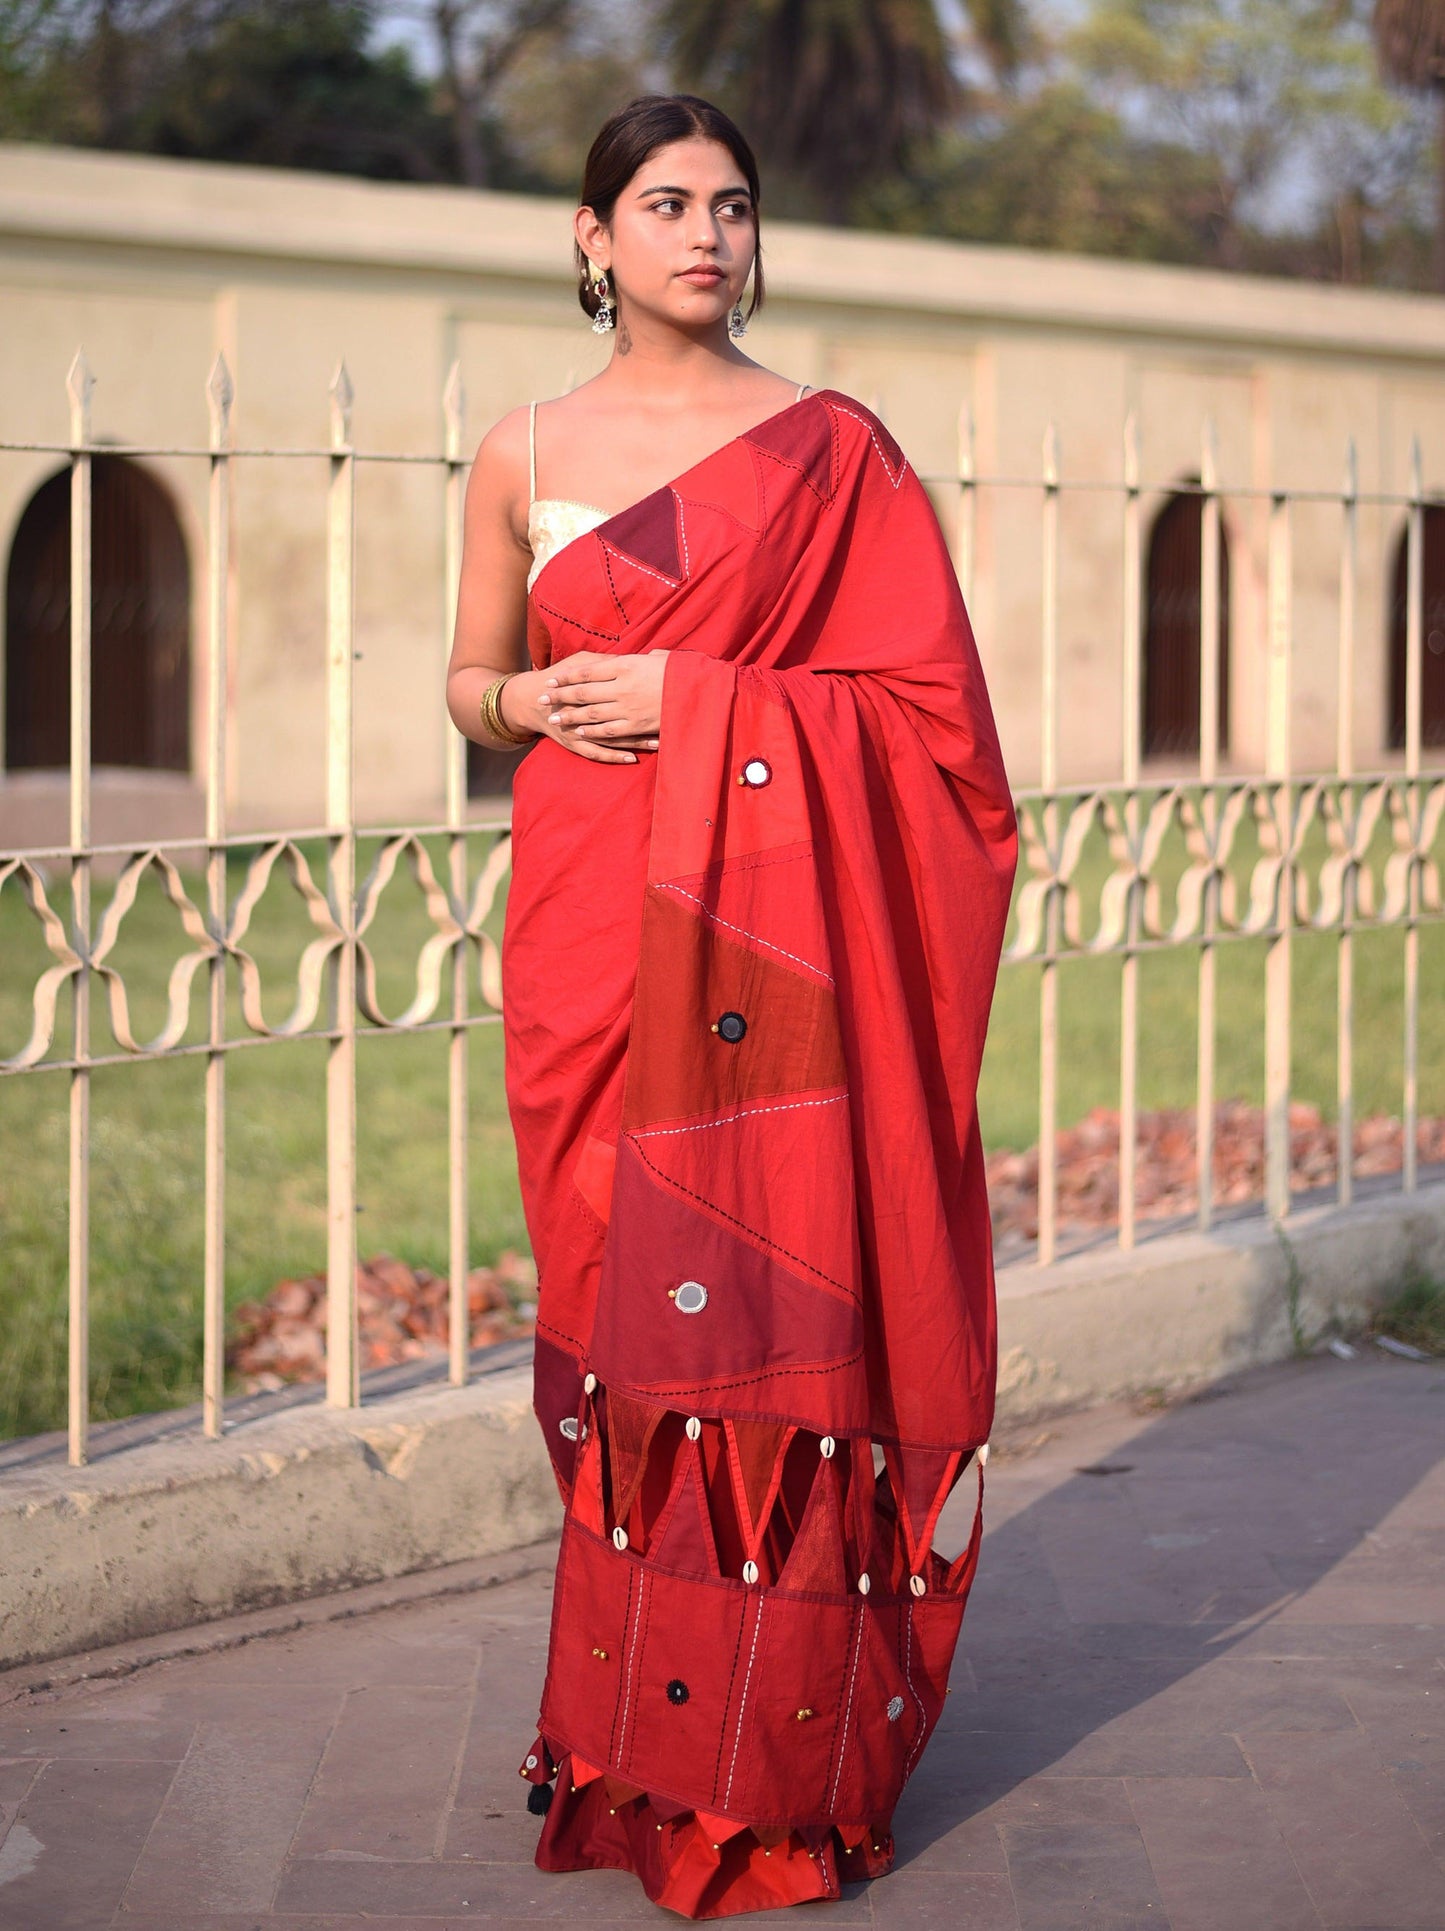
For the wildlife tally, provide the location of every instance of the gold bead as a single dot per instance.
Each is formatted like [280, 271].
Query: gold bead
[803, 1714]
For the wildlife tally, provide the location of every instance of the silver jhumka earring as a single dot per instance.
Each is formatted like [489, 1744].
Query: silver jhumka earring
[737, 322]
[602, 320]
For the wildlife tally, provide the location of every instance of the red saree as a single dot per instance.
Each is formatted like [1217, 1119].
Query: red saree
[747, 988]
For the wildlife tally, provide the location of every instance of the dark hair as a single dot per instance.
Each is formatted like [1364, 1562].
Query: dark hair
[624, 143]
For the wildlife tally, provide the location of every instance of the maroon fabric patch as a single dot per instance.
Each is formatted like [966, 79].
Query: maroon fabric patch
[556, 1395]
[648, 533]
[759, 1315]
[802, 436]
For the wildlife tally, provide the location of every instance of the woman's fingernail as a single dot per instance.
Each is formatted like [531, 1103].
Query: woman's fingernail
[630, 758]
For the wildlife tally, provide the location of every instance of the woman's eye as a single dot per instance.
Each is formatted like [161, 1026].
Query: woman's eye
[663, 207]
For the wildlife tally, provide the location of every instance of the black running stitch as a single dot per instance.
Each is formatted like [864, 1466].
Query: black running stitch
[608, 636]
[722, 1212]
[791, 462]
[721, 509]
[661, 1388]
[612, 584]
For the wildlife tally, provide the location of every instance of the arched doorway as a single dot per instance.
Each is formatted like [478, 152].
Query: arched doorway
[1432, 626]
[1169, 700]
[140, 625]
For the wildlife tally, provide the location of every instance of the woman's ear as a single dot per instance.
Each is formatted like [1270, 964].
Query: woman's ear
[593, 238]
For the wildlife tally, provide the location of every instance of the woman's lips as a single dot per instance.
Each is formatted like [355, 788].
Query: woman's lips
[703, 277]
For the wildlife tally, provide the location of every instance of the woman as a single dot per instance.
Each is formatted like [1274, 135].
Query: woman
[763, 856]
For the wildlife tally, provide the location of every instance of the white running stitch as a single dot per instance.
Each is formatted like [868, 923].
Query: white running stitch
[843, 1744]
[908, 1678]
[628, 557]
[631, 1652]
[782, 950]
[742, 1706]
[652, 1132]
[682, 532]
[903, 463]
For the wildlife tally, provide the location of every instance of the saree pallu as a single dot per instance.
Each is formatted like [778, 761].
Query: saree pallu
[747, 989]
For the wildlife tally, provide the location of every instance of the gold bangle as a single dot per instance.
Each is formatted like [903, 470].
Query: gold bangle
[490, 711]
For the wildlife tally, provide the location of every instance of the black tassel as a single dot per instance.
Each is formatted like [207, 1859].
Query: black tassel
[539, 1799]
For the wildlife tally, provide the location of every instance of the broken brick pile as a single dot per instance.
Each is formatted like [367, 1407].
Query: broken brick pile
[401, 1313]
[1166, 1182]
[402, 1310]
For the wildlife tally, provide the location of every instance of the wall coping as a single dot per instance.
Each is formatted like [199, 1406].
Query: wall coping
[73, 197]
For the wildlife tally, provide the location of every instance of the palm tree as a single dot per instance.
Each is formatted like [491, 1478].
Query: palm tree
[1410, 45]
[833, 92]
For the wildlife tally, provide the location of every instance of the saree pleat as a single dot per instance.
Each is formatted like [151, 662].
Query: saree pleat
[747, 989]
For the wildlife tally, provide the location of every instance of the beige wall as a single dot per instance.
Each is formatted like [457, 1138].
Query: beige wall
[153, 266]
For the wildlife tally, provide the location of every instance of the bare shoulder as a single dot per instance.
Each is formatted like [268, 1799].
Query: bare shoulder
[497, 488]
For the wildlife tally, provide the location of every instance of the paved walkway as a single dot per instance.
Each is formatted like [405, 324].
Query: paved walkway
[1200, 1686]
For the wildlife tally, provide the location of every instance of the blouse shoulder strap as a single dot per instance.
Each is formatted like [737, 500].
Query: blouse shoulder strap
[531, 455]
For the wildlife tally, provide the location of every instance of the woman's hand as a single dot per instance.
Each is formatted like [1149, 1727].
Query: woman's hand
[605, 707]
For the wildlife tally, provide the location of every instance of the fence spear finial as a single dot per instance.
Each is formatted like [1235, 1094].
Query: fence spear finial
[79, 385]
[965, 443]
[342, 396]
[220, 394]
[454, 411]
[1051, 456]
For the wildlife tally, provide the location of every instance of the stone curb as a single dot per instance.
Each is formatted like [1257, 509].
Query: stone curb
[1184, 1308]
[290, 1505]
[299, 1503]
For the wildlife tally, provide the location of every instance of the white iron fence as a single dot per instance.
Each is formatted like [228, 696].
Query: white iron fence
[1174, 863]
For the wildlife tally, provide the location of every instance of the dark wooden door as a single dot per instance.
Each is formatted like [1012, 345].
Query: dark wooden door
[140, 626]
[1173, 629]
[1432, 656]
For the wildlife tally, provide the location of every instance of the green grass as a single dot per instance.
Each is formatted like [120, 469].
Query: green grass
[147, 1120]
[1416, 1315]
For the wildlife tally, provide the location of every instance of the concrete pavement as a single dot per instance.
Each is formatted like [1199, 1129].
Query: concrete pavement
[1200, 1687]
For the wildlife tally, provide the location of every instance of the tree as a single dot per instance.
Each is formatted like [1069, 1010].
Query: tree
[478, 44]
[836, 93]
[1055, 170]
[284, 83]
[1410, 42]
[1279, 97]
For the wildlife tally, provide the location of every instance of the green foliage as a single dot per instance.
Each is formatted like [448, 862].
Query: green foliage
[1059, 171]
[1245, 134]
[1416, 1314]
[1269, 94]
[285, 83]
[834, 92]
